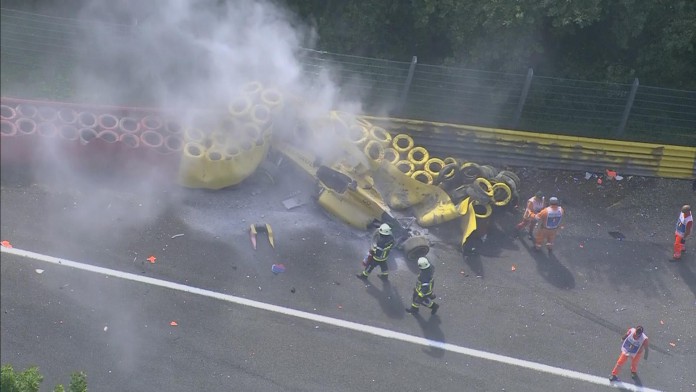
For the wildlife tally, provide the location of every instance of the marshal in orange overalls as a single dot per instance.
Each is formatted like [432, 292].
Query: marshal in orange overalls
[549, 221]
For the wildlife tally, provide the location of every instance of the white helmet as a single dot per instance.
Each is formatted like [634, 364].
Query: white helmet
[423, 263]
[385, 229]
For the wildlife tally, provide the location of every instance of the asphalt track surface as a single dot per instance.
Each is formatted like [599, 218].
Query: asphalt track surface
[97, 305]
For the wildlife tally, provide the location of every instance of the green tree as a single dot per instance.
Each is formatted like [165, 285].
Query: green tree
[30, 380]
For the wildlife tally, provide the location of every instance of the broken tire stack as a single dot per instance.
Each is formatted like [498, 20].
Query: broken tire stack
[222, 151]
[484, 184]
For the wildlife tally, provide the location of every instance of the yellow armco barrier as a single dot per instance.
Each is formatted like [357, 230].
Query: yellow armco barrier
[517, 148]
[403, 144]
[418, 155]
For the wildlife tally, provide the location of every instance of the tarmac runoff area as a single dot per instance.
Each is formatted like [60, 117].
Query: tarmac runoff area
[380, 332]
[551, 324]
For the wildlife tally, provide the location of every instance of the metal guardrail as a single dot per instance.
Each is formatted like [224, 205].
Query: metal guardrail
[522, 149]
[413, 90]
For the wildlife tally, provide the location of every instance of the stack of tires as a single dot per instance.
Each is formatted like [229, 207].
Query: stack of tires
[485, 185]
[116, 139]
[221, 151]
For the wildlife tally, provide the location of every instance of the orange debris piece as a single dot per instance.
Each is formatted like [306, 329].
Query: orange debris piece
[152, 259]
[6, 244]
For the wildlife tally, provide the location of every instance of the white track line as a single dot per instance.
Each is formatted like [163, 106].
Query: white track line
[335, 322]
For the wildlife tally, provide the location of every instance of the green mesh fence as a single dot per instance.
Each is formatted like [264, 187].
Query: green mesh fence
[42, 51]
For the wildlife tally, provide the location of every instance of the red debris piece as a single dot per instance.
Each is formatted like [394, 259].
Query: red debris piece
[611, 174]
[6, 244]
[173, 323]
[152, 259]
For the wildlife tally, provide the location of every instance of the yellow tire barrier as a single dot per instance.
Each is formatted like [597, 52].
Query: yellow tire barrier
[485, 186]
[194, 135]
[422, 176]
[219, 137]
[272, 98]
[374, 150]
[232, 151]
[357, 135]
[402, 143]
[380, 135]
[449, 160]
[261, 115]
[362, 122]
[487, 212]
[470, 171]
[215, 154]
[434, 166]
[391, 155]
[252, 90]
[240, 107]
[406, 167]
[501, 188]
[418, 155]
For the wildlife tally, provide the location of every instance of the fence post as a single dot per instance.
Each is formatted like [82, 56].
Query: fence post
[407, 84]
[523, 97]
[629, 106]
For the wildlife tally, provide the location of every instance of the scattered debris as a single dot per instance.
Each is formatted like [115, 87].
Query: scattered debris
[513, 268]
[39, 271]
[278, 268]
[588, 175]
[292, 290]
[173, 323]
[672, 344]
[611, 174]
[261, 228]
[582, 245]
[106, 328]
[151, 259]
[340, 307]
[293, 202]
[618, 178]
[617, 235]
[599, 181]
[6, 244]
[177, 235]
[662, 322]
